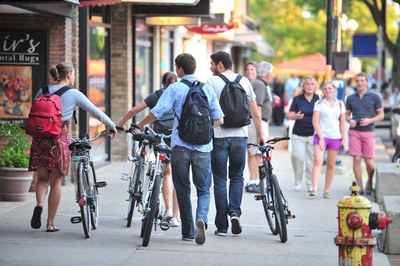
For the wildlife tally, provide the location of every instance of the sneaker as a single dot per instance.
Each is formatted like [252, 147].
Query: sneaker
[200, 232]
[313, 193]
[236, 227]
[167, 215]
[174, 222]
[253, 188]
[220, 232]
[187, 238]
[297, 187]
[368, 189]
[326, 195]
[360, 191]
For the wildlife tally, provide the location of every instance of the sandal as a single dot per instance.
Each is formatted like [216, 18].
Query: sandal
[35, 222]
[53, 228]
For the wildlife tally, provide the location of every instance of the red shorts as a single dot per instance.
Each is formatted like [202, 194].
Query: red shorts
[362, 143]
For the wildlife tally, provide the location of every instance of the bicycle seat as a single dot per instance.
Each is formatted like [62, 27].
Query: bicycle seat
[162, 147]
[79, 146]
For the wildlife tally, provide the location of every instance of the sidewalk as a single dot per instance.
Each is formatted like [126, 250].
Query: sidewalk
[310, 240]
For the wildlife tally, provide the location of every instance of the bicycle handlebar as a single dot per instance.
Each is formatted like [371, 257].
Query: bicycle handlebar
[86, 138]
[149, 134]
[270, 141]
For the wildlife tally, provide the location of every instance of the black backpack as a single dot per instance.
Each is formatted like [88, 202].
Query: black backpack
[196, 122]
[234, 103]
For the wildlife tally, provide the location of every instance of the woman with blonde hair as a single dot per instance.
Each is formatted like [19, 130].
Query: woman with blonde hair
[330, 134]
[302, 152]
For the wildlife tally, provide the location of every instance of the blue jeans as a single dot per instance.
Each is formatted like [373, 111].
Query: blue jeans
[181, 160]
[234, 150]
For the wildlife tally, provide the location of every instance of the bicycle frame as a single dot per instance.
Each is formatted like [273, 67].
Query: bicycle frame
[274, 202]
[85, 182]
[151, 203]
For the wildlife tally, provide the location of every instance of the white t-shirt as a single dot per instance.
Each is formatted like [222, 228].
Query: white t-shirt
[218, 85]
[329, 117]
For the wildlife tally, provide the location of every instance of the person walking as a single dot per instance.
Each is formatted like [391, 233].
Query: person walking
[251, 70]
[302, 152]
[330, 134]
[169, 193]
[263, 94]
[185, 155]
[363, 109]
[50, 157]
[230, 144]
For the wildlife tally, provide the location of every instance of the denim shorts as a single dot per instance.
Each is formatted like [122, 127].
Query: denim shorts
[330, 144]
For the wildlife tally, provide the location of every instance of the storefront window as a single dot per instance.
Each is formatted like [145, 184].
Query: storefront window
[98, 80]
[143, 64]
[166, 60]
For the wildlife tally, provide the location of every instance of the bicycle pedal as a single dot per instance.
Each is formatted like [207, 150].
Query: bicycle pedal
[101, 184]
[164, 225]
[76, 219]
[125, 176]
[259, 197]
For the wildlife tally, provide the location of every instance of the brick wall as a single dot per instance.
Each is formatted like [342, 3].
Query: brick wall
[59, 32]
[121, 74]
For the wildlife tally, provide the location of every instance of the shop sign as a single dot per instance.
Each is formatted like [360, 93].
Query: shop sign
[211, 29]
[23, 67]
[22, 47]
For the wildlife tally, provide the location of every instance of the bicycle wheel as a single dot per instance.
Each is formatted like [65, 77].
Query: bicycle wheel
[151, 213]
[83, 200]
[94, 204]
[266, 191]
[134, 190]
[280, 218]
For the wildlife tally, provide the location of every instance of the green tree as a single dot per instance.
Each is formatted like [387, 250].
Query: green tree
[289, 32]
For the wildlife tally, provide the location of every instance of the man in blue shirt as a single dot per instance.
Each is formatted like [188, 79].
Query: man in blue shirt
[185, 155]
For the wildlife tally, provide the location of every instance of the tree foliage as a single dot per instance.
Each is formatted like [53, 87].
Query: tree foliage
[292, 34]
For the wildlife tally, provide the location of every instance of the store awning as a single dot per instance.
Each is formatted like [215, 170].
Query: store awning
[262, 46]
[86, 3]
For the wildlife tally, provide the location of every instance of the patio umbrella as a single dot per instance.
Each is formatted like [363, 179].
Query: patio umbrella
[313, 64]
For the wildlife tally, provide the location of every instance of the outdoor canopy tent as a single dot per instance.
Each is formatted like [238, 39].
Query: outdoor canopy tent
[314, 64]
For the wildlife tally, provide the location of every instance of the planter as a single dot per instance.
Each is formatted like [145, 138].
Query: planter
[15, 183]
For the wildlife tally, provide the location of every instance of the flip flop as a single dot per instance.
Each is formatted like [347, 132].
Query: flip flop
[54, 228]
[35, 222]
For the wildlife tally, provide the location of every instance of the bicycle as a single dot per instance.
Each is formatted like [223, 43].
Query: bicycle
[152, 211]
[141, 149]
[144, 189]
[275, 205]
[85, 182]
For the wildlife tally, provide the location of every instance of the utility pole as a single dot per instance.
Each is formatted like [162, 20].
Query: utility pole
[329, 33]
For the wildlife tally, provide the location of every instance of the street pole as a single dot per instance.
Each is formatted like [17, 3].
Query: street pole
[329, 31]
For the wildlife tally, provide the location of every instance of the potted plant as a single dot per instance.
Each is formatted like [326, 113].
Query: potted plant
[15, 180]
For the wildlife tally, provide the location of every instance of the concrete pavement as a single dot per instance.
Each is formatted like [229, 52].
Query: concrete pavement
[310, 240]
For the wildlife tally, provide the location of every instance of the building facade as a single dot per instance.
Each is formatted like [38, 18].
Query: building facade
[119, 48]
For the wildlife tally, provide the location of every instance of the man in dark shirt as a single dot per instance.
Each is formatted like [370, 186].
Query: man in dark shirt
[363, 109]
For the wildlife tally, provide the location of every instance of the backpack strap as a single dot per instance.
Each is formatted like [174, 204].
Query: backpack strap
[45, 90]
[224, 78]
[60, 92]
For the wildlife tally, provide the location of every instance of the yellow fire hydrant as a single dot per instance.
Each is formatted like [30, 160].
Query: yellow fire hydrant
[355, 239]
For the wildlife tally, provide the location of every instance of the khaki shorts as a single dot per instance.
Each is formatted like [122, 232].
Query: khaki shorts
[252, 137]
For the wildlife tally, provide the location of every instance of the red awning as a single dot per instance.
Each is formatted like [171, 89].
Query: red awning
[85, 3]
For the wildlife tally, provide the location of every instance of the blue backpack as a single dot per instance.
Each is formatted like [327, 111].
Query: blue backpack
[196, 122]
